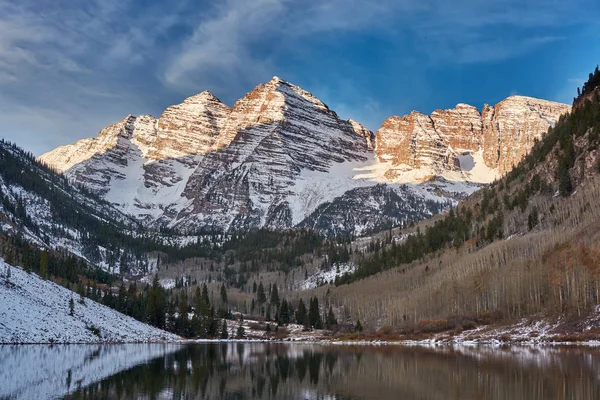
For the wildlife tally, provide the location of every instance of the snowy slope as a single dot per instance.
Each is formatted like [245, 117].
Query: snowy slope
[33, 310]
[50, 372]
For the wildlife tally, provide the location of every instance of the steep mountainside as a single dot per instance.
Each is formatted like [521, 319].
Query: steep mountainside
[142, 164]
[44, 209]
[281, 132]
[280, 155]
[34, 310]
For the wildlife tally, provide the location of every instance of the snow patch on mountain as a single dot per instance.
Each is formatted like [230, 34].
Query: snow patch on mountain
[321, 277]
[313, 188]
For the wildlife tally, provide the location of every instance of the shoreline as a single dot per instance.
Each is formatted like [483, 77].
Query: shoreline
[325, 342]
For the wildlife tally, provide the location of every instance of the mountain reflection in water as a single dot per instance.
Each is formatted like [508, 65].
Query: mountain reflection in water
[313, 371]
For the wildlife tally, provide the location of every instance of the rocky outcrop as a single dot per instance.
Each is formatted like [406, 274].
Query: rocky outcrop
[511, 126]
[189, 128]
[192, 127]
[503, 133]
[413, 141]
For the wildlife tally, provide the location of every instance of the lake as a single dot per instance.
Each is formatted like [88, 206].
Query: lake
[237, 370]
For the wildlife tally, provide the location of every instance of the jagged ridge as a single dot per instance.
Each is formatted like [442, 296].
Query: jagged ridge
[280, 153]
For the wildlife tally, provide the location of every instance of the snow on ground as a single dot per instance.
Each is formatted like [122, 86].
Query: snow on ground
[255, 330]
[322, 276]
[34, 310]
[528, 331]
[49, 372]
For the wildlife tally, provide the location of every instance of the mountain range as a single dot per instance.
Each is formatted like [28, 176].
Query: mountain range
[134, 202]
[281, 158]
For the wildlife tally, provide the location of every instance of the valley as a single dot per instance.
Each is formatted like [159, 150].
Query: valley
[277, 220]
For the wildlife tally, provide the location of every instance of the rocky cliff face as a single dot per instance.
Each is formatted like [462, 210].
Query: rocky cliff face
[280, 158]
[281, 133]
[450, 140]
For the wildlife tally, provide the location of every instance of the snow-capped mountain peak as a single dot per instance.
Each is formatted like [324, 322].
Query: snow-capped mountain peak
[280, 154]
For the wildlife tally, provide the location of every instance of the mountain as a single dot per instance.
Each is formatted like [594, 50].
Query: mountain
[280, 156]
[47, 211]
[142, 164]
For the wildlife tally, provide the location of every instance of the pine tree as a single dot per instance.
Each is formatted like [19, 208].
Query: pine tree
[224, 333]
[565, 187]
[532, 219]
[314, 317]
[274, 296]
[183, 315]
[205, 297]
[224, 295]
[212, 324]
[331, 320]
[71, 306]
[260, 294]
[8, 255]
[199, 314]
[122, 298]
[156, 304]
[44, 264]
[301, 315]
[197, 301]
[241, 333]
[284, 313]
[358, 327]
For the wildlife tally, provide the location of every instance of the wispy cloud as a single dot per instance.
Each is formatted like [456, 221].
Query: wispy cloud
[218, 50]
[500, 49]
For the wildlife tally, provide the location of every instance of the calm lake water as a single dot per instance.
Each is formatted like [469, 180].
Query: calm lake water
[296, 371]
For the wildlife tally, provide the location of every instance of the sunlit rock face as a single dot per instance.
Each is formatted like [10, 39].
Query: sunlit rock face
[502, 134]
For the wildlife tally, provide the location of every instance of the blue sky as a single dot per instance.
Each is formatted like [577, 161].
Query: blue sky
[69, 68]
